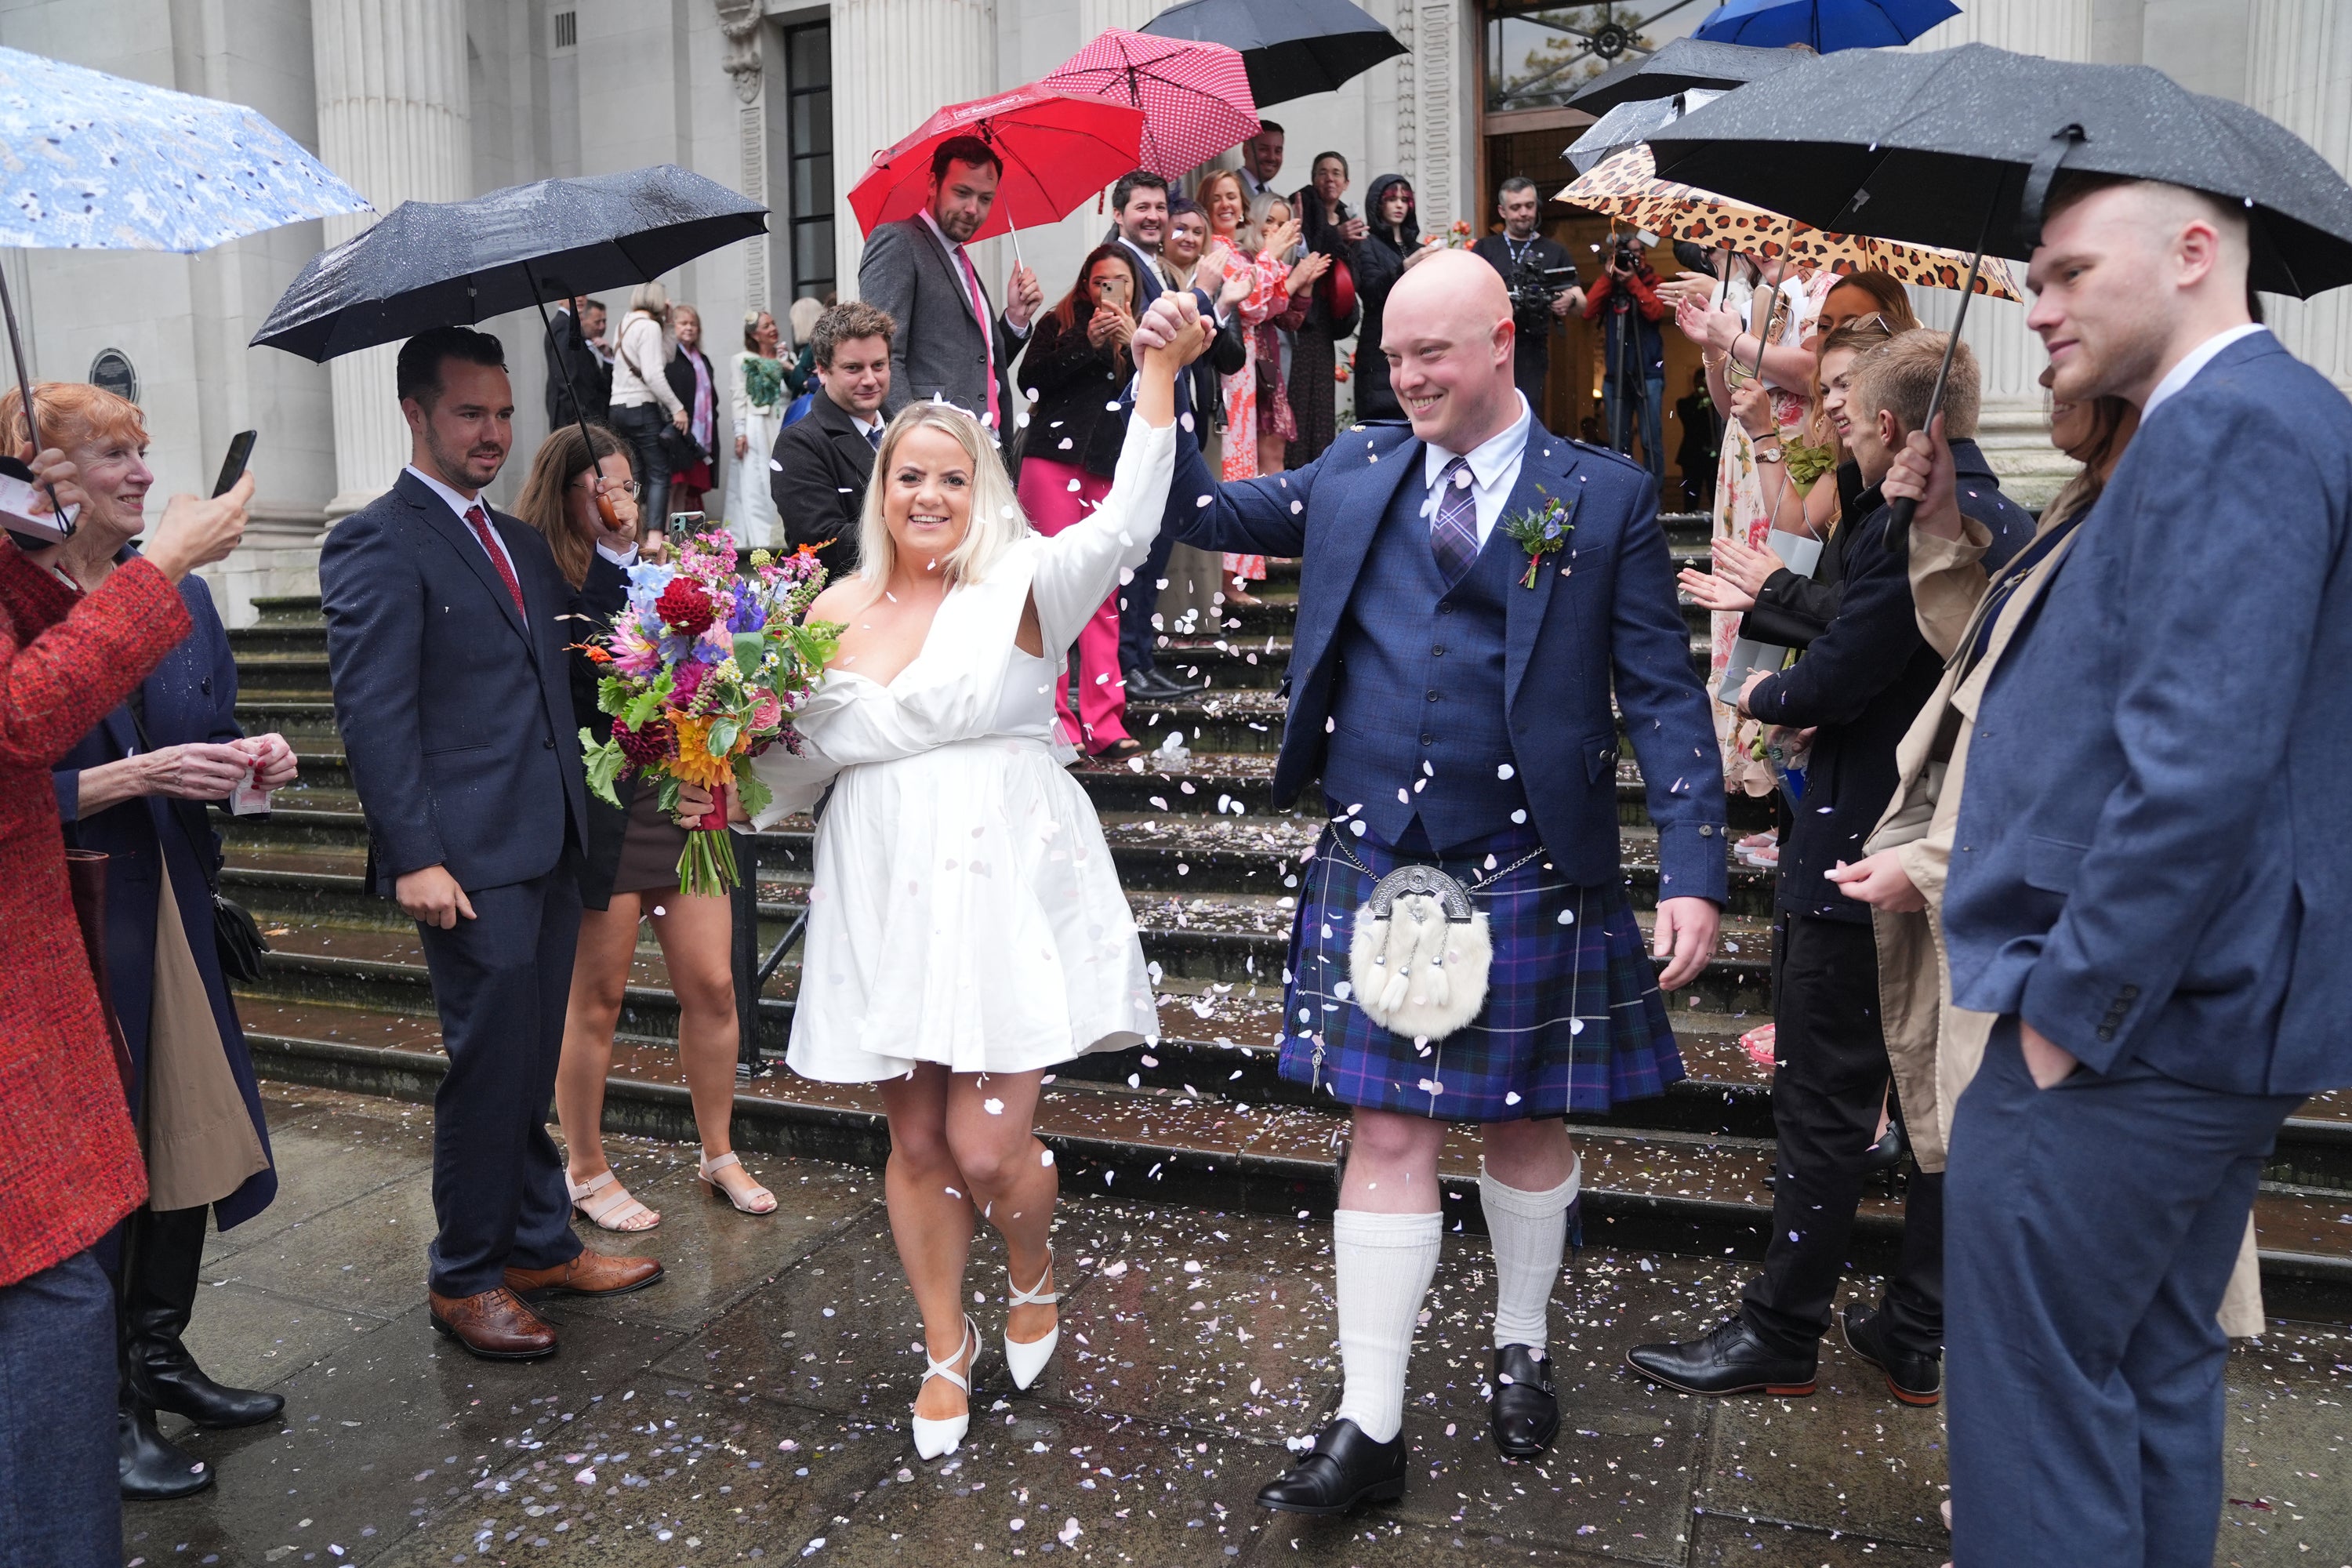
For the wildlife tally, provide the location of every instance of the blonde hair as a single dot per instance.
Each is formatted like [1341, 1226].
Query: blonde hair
[801, 318]
[652, 298]
[1899, 377]
[1251, 238]
[995, 522]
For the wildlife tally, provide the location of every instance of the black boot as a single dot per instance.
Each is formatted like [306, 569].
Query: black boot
[1525, 1416]
[1345, 1469]
[153, 1467]
[159, 1294]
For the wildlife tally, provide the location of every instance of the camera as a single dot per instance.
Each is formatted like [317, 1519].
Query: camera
[1623, 254]
[1534, 288]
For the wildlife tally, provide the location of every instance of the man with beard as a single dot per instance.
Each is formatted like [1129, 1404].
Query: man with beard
[950, 343]
[446, 625]
[1519, 253]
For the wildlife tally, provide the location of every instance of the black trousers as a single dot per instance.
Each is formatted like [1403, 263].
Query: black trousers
[501, 981]
[1831, 1074]
[1531, 370]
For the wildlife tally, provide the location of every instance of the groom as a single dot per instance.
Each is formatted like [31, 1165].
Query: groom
[1452, 694]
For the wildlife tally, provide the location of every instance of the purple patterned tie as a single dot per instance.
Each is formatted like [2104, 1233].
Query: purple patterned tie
[1454, 522]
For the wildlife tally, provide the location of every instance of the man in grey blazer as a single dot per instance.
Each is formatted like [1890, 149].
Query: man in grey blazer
[950, 345]
[2148, 888]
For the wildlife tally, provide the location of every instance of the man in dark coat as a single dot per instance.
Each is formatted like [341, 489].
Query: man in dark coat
[575, 370]
[822, 462]
[1522, 256]
[446, 625]
[1860, 682]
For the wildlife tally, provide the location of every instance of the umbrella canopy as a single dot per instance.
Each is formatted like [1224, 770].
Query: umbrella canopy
[1827, 25]
[1195, 97]
[1928, 147]
[435, 264]
[1678, 66]
[1625, 187]
[1060, 149]
[1292, 48]
[99, 162]
[1627, 125]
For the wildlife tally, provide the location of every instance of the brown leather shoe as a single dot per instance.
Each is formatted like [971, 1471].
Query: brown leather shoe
[590, 1274]
[494, 1325]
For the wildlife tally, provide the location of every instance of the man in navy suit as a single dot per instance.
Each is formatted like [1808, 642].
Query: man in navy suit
[2151, 889]
[1452, 688]
[446, 625]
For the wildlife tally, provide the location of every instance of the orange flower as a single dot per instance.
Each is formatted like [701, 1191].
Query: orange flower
[596, 654]
[695, 764]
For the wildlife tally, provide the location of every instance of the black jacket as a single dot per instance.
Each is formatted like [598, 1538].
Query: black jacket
[1862, 682]
[1076, 383]
[571, 363]
[679, 373]
[823, 464]
[1380, 262]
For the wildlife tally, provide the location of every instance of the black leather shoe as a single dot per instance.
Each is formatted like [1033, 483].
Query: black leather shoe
[1345, 1469]
[1525, 1416]
[1912, 1378]
[150, 1466]
[179, 1385]
[1731, 1360]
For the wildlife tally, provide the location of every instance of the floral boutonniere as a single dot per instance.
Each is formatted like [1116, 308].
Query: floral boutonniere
[1540, 531]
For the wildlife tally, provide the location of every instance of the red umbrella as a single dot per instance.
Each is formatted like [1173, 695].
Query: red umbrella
[1195, 97]
[1060, 149]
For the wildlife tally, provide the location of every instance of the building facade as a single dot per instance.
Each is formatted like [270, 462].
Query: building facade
[785, 101]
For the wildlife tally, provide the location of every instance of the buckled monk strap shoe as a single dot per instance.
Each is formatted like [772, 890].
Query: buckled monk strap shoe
[590, 1274]
[1913, 1378]
[494, 1325]
[1525, 1416]
[1731, 1360]
[1344, 1468]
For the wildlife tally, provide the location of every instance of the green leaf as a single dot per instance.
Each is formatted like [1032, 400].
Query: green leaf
[749, 646]
[755, 795]
[604, 764]
[721, 738]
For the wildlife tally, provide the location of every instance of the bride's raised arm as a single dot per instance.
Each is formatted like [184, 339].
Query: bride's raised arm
[1078, 567]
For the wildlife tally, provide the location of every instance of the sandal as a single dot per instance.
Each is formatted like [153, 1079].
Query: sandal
[933, 1438]
[758, 1200]
[616, 1211]
[1126, 746]
[1028, 1359]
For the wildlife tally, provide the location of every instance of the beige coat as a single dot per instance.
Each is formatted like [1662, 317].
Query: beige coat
[1935, 1047]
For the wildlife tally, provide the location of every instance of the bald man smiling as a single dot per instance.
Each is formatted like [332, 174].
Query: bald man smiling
[1473, 589]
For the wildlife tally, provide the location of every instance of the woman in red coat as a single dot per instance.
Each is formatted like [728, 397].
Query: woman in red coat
[69, 1165]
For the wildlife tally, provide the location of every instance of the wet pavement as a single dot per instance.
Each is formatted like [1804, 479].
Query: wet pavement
[751, 1406]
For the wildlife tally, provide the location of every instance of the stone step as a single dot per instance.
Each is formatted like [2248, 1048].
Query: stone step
[1679, 1192]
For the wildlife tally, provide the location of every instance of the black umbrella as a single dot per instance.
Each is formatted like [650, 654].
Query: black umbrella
[1291, 47]
[1958, 148]
[1619, 129]
[1683, 64]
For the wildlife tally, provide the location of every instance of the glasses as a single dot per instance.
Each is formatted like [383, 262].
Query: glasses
[611, 487]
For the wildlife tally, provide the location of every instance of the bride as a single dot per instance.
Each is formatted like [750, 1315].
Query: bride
[966, 927]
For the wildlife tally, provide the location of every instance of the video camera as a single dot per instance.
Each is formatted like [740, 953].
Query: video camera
[1534, 288]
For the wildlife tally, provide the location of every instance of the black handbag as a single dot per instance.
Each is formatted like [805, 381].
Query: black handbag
[678, 449]
[237, 935]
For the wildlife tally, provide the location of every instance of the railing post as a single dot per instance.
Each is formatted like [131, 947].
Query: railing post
[748, 1062]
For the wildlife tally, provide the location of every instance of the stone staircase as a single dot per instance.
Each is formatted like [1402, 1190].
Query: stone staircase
[1210, 869]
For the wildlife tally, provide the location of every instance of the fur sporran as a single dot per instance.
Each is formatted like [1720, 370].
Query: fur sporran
[1419, 954]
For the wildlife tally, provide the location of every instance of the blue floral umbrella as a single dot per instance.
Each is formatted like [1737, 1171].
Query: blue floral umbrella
[93, 161]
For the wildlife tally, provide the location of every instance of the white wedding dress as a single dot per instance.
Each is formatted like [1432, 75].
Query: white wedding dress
[964, 909]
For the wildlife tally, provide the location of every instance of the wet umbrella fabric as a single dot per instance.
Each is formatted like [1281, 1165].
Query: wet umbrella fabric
[1060, 149]
[1291, 47]
[1195, 97]
[1627, 125]
[437, 264]
[1678, 67]
[1826, 26]
[1941, 148]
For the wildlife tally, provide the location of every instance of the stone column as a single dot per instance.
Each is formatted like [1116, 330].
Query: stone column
[2299, 73]
[894, 62]
[391, 78]
[743, 25]
[1437, 107]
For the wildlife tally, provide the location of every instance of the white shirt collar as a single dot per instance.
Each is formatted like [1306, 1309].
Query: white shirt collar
[1150, 260]
[2195, 360]
[865, 425]
[1494, 465]
[459, 504]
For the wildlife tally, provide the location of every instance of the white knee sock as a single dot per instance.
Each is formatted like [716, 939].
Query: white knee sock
[1384, 1263]
[1529, 1231]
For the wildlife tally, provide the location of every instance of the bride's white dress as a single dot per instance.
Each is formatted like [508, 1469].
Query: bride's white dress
[964, 907]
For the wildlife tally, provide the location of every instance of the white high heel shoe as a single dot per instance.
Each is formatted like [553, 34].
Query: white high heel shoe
[1027, 1361]
[933, 1438]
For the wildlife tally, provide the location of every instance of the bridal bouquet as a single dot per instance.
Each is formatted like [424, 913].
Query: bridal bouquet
[702, 670]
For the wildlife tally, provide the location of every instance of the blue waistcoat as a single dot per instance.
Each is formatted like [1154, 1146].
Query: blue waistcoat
[1419, 696]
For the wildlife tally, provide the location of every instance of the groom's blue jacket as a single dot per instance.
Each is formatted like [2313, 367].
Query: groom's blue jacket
[2154, 859]
[1608, 622]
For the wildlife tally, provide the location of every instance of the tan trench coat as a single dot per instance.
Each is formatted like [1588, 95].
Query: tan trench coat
[1934, 1046]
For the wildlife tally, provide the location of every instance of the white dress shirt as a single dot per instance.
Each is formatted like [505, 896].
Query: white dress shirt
[1494, 467]
[461, 504]
[2195, 360]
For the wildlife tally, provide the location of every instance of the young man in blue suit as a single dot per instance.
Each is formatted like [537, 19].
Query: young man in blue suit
[447, 625]
[1451, 688]
[2151, 889]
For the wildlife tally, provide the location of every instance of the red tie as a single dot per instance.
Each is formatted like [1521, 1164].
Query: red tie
[480, 521]
[987, 338]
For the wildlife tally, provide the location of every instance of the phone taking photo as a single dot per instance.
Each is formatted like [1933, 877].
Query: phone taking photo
[240, 452]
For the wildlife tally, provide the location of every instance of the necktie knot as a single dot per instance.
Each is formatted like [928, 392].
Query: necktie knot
[874, 436]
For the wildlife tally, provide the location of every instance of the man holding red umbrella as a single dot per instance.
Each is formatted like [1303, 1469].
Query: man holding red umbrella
[948, 343]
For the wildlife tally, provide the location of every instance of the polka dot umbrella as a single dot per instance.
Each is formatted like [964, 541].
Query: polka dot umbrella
[1195, 97]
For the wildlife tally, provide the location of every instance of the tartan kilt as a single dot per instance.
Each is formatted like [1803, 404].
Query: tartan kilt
[1573, 1019]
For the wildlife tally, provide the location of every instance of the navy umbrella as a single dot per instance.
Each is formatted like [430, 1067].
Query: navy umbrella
[1291, 47]
[1678, 66]
[437, 264]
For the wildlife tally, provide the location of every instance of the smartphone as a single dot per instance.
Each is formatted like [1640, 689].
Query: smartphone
[240, 452]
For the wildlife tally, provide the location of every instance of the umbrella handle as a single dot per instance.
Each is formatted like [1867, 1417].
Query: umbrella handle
[1899, 510]
[25, 390]
[604, 507]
